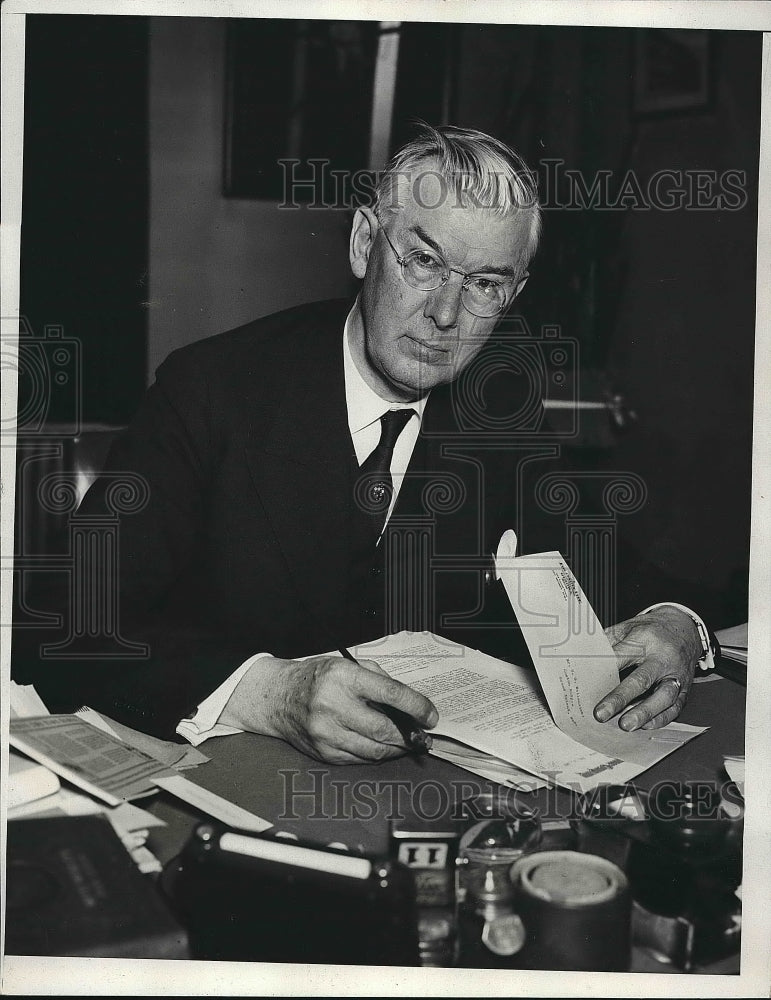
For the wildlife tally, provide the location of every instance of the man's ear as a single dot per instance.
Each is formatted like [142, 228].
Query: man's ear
[363, 233]
[521, 284]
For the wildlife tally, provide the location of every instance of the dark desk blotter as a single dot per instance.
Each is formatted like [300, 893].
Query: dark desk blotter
[73, 890]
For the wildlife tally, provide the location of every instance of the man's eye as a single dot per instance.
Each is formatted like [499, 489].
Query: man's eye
[485, 286]
[426, 261]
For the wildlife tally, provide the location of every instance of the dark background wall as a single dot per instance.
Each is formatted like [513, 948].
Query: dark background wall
[672, 325]
[130, 243]
[84, 264]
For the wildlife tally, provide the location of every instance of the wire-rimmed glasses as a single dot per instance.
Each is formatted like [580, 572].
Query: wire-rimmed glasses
[426, 270]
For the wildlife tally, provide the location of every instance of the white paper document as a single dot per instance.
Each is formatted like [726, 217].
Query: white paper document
[540, 724]
[211, 803]
[573, 657]
[28, 782]
[735, 770]
[93, 760]
[734, 642]
[491, 768]
[25, 702]
[493, 706]
[180, 756]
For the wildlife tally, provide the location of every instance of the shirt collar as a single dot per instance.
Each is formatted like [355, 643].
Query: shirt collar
[363, 403]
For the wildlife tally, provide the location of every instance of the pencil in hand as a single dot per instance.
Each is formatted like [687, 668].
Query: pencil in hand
[416, 739]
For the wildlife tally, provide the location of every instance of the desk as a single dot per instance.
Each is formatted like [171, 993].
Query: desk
[351, 804]
[259, 773]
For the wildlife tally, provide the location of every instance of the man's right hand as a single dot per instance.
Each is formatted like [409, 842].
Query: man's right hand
[324, 707]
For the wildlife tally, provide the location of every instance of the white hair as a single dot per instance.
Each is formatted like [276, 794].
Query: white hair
[480, 170]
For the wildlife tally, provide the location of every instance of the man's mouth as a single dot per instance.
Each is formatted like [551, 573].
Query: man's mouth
[428, 353]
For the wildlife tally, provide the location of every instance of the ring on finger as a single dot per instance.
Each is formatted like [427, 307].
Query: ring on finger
[673, 680]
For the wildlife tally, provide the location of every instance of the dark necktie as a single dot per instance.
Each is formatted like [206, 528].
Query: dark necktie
[374, 486]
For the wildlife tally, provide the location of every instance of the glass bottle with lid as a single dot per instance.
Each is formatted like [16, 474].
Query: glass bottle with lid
[490, 931]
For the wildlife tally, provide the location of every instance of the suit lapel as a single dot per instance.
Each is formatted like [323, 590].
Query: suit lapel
[302, 469]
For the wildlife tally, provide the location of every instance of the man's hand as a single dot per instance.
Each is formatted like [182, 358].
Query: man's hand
[664, 644]
[324, 707]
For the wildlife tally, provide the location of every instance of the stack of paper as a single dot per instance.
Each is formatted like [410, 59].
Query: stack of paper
[734, 642]
[95, 761]
[498, 708]
[28, 781]
[734, 766]
[111, 764]
[86, 751]
[502, 772]
[41, 796]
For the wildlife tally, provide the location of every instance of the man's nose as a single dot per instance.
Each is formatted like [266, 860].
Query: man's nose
[444, 303]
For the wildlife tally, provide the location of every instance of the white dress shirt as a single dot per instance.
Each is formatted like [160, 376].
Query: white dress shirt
[365, 408]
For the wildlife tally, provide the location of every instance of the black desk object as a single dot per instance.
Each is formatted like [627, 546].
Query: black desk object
[266, 899]
[73, 890]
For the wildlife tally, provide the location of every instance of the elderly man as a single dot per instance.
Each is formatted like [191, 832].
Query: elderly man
[290, 464]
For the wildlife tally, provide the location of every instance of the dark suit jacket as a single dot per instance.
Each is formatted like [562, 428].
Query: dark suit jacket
[247, 541]
[245, 544]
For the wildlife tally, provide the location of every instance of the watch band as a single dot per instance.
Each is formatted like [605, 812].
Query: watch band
[708, 644]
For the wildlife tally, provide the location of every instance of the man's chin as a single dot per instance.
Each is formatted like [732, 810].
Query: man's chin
[419, 382]
[406, 378]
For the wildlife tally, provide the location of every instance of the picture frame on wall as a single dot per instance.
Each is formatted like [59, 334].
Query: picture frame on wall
[295, 90]
[673, 72]
[327, 98]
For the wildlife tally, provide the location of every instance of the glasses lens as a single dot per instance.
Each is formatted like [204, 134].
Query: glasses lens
[484, 297]
[423, 269]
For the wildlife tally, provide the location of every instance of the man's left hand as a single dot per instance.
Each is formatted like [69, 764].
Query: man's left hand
[664, 648]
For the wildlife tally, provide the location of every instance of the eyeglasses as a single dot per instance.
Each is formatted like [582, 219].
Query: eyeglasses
[424, 269]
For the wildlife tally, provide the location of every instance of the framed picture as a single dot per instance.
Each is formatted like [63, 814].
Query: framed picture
[327, 98]
[672, 71]
[296, 90]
